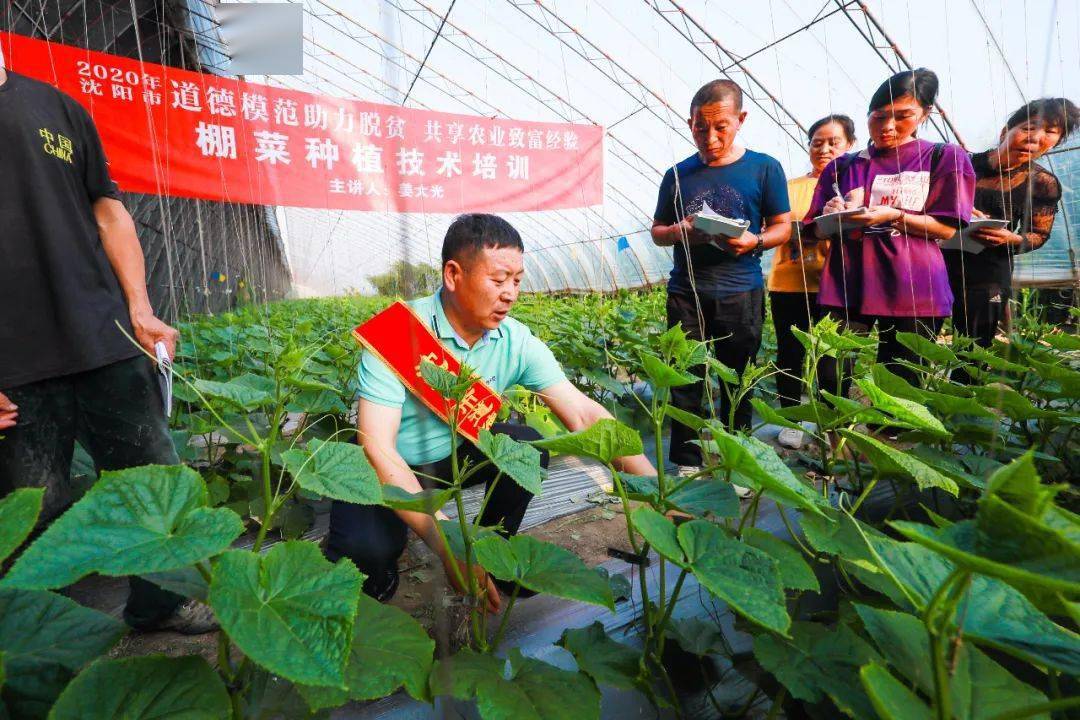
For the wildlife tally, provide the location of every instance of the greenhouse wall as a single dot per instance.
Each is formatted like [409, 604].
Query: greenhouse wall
[1055, 263]
[201, 256]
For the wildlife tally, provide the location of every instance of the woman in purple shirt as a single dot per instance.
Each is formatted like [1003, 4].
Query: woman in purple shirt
[887, 270]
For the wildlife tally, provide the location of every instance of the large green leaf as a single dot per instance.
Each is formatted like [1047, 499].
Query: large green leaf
[1011, 403]
[994, 613]
[425, 501]
[993, 360]
[907, 412]
[1019, 484]
[928, 349]
[335, 470]
[662, 375]
[534, 691]
[1021, 551]
[998, 615]
[236, 394]
[949, 464]
[543, 567]
[604, 660]
[795, 572]
[891, 698]
[725, 373]
[979, 687]
[442, 381]
[818, 662]
[689, 419]
[520, 461]
[145, 688]
[659, 532]
[849, 411]
[699, 498]
[859, 549]
[46, 638]
[135, 521]
[605, 440]
[837, 533]
[452, 530]
[188, 582]
[894, 385]
[891, 461]
[18, 513]
[705, 498]
[816, 412]
[289, 610]
[269, 697]
[746, 578]
[389, 650]
[759, 466]
[697, 636]
[771, 416]
[941, 403]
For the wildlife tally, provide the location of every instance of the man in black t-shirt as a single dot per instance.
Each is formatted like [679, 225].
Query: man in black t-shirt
[72, 282]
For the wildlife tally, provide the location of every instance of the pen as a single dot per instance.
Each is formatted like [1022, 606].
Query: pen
[836, 189]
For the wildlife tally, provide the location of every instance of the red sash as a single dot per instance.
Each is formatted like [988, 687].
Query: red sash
[400, 339]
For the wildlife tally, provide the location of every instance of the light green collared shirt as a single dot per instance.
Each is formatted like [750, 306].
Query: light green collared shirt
[508, 355]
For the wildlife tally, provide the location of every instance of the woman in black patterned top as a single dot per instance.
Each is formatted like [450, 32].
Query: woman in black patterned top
[1009, 186]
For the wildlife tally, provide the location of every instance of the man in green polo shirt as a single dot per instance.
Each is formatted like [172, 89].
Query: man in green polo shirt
[482, 270]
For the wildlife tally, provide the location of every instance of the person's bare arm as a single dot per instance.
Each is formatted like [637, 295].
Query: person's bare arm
[777, 231]
[577, 411]
[925, 226]
[117, 231]
[669, 235]
[377, 426]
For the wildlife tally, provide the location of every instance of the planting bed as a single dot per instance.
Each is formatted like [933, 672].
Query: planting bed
[919, 558]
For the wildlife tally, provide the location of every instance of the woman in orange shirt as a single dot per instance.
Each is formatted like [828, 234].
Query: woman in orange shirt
[796, 267]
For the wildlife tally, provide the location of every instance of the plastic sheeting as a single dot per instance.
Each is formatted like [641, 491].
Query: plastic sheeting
[201, 256]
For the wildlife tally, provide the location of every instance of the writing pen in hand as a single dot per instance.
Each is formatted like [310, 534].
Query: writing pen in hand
[836, 189]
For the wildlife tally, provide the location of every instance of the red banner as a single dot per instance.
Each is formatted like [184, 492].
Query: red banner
[401, 340]
[173, 132]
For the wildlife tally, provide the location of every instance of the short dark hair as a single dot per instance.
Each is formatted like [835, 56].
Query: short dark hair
[843, 121]
[471, 233]
[920, 84]
[715, 91]
[1055, 112]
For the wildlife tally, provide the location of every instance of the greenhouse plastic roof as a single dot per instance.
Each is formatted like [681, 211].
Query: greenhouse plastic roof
[632, 66]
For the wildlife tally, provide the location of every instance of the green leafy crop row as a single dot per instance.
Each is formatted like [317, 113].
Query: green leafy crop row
[965, 609]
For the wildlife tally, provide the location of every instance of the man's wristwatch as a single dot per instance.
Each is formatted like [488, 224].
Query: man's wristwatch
[760, 247]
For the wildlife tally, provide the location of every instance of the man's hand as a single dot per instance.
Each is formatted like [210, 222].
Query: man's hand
[9, 412]
[490, 593]
[996, 237]
[692, 234]
[149, 330]
[747, 242]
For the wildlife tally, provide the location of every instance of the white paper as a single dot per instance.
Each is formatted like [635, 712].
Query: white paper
[712, 223]
[829, 223]
[165, 368]
[963, 241]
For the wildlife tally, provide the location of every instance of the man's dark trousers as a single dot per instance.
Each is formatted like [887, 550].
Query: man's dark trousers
[374, 537]
[733, 324]
[116, 413]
